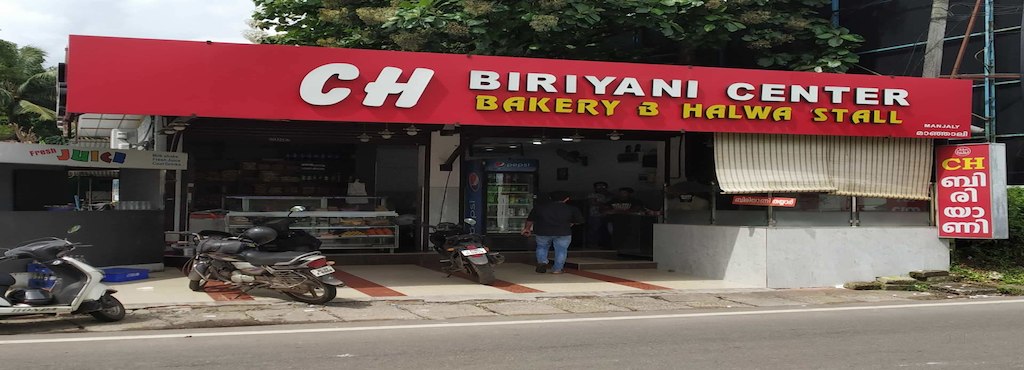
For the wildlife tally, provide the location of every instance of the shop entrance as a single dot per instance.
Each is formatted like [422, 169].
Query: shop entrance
[616, 180]
[362, 188]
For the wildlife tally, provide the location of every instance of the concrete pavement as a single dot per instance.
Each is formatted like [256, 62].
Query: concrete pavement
[972, 334]
[410, 292]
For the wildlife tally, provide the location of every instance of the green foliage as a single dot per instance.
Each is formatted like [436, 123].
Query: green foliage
[781, 34]
[998, 253]
[26, 90]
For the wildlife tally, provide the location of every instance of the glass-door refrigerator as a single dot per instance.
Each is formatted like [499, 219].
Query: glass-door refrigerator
[500, 195]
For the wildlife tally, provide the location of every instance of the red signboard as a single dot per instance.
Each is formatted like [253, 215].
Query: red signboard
[275, 82]
[748, 200]
[971, 196]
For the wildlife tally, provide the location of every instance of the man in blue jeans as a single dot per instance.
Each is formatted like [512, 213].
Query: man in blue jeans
[551, 223]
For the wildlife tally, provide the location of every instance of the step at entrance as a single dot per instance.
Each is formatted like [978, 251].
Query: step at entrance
[591, 263]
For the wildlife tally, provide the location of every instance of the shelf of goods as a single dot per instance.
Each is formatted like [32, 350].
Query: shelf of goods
[336, 229]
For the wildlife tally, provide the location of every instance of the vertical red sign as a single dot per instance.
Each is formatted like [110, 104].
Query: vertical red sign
[964, 196]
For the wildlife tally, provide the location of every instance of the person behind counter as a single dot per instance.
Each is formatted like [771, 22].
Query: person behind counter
[624, 219]
[597, 228]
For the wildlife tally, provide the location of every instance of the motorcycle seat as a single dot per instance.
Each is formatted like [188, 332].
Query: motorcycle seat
[6, 281]
[268, 258]
[229, 246]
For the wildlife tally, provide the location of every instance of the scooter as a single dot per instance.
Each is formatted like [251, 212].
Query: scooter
[464, 251]
[77, 289]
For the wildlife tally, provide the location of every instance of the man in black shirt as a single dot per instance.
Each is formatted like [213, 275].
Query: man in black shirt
[551, 223]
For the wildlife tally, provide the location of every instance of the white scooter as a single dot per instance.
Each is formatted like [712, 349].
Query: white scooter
[77, 289]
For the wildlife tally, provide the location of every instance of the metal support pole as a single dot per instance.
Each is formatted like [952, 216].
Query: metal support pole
[990, 67]
[967, 37]
[178, 183]
[835, 13]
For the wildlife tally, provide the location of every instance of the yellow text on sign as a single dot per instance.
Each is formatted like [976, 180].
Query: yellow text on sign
[953, 164]
[593, 107]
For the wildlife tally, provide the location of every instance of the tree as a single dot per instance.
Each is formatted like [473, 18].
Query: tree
[26, 89]
[781, 34]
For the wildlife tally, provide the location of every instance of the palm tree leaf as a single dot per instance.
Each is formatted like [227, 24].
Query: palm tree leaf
[6, 97]
[43, 112]
[43, 84]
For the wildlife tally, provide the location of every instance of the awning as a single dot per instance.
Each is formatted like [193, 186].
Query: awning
[757, 163]
[897, 168]
[852, 166]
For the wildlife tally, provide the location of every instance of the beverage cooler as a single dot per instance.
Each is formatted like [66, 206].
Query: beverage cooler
[500, 195]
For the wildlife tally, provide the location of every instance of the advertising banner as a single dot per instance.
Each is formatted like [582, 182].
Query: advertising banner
[61, 155]
[278, 82]
[971, 192]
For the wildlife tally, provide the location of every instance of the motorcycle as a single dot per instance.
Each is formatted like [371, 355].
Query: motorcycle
[303, 276]
[464, 251]
[76, 290]
[287, 239]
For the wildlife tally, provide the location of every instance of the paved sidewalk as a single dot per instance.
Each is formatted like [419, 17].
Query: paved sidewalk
[270, 312]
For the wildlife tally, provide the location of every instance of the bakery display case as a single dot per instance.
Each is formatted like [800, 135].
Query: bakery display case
[339, 222]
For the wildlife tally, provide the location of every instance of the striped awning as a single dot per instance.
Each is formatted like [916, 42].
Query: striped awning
[852, 166]
[898, 168]
[757, 163]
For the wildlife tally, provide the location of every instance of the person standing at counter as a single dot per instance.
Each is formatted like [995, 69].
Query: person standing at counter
[597, 229]
[625, 203]
[551, 224]
[624, 218]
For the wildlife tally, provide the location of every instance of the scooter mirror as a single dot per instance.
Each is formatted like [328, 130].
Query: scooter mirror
[74, 229]
[469, 221]
[298, 209]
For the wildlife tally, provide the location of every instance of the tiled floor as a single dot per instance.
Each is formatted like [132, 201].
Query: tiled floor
[170, 287]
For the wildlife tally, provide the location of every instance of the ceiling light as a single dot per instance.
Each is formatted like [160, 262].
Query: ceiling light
[513, 146]
[615, 135]
[364, 137]
[489, 149]
[386, 134]
[538, 141]
[567, 139]
[412, 130]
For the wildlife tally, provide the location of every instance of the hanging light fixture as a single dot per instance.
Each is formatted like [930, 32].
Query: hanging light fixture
[575, 137]
[386, 134]
[412, 130]
[615, 135]
[364, 137]
[538, 141]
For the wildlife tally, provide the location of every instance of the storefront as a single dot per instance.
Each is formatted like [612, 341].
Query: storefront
[114, 195]
[771, 178]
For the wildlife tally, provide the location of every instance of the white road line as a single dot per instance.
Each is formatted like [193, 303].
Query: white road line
[501, 323]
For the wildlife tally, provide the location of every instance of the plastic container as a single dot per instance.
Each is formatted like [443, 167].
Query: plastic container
[39, 268]
[116, 275]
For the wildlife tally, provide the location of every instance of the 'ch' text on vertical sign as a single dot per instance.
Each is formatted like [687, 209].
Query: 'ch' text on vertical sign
[971, 193]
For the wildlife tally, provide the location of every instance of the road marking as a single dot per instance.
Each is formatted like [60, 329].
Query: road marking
[499, 323]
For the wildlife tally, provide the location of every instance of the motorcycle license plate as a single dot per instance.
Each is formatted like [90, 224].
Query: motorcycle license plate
[474, 252]
[322, 271]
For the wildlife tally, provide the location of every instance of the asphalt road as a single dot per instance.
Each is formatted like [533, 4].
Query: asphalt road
[938, 335]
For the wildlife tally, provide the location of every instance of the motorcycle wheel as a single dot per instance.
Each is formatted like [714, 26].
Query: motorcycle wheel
[484, 274]
[113, 309]
[197, 285]
[320, 294]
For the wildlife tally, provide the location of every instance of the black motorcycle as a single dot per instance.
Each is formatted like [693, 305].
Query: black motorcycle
[287, 240]
[464, 251]
[303, 276]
